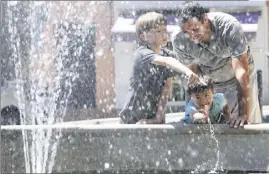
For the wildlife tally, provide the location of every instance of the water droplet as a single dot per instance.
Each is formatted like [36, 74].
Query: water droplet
[169, 152]
[106, 165]
[157, 163]
[148, 146]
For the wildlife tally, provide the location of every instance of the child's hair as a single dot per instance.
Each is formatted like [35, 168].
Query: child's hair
[200, 87]
[149, 21]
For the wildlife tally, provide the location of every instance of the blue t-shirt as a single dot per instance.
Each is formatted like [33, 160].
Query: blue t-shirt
[215, 113]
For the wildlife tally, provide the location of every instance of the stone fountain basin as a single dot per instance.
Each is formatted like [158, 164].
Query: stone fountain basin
[170, 118]
[107, 147]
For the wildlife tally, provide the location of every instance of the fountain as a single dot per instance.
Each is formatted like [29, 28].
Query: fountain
[45, 144]
[149, 148]
[44, 82]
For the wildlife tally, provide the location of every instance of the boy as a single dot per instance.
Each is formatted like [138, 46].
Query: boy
[152, 70]
[204, 105]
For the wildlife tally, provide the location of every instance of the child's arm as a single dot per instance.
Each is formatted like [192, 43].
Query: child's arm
[163, 101]
[160, 115]
[172, 63]
[227, 113]
[175, 65]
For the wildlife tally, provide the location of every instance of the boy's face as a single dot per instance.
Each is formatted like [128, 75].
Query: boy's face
[157, 36]
[203, 98]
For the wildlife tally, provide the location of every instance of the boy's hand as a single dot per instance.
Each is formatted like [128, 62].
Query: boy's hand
[199, 118]
[194, 78]
[142, 121]
[202, 116]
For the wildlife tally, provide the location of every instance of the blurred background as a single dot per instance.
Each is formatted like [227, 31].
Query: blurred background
[74, 58]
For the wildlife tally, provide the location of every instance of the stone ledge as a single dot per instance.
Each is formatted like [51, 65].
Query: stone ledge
[170, 147]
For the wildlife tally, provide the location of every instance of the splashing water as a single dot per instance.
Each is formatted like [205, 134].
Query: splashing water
[39, 81]
[211, 127]
[214, 170]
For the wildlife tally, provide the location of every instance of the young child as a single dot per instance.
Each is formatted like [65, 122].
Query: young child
[204, 105]
[152, 71]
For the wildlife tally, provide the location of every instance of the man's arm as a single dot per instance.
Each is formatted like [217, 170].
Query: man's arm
[240, 66]
[238, 45]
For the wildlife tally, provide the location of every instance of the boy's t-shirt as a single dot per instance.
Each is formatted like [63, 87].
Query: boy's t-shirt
[146, 86]
[215, 113]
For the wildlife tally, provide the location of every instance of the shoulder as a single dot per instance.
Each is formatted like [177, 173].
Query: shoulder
[143, 52]
[190, 107]
[221, 18]
[181, 41]
[225, 23]
[220, 98]
[168, 53]
[179, 36]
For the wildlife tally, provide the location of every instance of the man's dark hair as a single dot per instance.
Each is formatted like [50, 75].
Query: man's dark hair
[191, 10]
[200, 87]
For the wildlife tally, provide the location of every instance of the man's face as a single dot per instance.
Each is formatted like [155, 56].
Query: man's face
[157, 36]
[197, 30]
[202, 99]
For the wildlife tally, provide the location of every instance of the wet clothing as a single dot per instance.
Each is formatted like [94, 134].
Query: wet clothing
[215, 113]
[146, 86]
[215, 59]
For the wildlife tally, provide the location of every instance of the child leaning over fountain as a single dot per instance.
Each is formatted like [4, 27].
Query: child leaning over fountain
[204, 105]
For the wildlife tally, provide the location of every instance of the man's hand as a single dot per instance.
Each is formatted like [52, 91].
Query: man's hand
[237, 122]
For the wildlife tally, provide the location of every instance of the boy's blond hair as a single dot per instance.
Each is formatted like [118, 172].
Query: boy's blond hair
[149, 21]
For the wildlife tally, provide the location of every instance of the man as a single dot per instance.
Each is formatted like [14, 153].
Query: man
[214, 44]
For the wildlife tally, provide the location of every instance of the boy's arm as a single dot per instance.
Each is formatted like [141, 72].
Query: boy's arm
[175, 65]
[160, 115]
[164, 100]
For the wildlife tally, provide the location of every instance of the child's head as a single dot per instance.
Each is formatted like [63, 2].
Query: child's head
[151, 28]
[202, 94]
